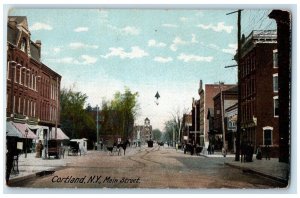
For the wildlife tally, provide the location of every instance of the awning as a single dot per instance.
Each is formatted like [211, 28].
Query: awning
[12, 131]
[60, 134]
[21, 128]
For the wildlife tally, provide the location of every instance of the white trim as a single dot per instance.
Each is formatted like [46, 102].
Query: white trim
[19, 106]
[269, 128]
[275, 52]
[274, 99]
[275, 75]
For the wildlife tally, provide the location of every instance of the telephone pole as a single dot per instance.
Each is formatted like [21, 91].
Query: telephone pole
[222, 116]
[238, 132]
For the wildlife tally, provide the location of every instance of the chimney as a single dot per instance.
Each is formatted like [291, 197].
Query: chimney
[38, 43]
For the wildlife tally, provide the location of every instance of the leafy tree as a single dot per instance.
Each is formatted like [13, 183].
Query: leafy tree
[157, 135]
[119, 114]
[75, 120]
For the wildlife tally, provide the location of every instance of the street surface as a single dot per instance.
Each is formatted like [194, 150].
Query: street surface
[157, 167]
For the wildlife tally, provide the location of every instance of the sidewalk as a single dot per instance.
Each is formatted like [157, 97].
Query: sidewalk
[272, 168]
[31, 166]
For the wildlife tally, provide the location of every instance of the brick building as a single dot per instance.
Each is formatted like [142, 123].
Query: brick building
[206, 102]
[259, 90]
[33, 89]
[186, 127]
[229, 98]
[142, 133]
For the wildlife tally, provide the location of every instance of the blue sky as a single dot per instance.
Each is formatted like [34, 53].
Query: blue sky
[100, 51]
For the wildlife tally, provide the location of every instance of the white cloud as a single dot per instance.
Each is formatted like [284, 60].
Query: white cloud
[87, 60]
[82, 60]
[231, 49]
[176, 42]
[153, 43]
[40, 26]
[169, 25]
[136, 52]
[194, 40]
[162, 59]
[56, 49]
[194, 58]
[183, 19]
[130, 30]
[81, 29]
[214, 46]
[179, 42]
[217, 28]
[78, 45]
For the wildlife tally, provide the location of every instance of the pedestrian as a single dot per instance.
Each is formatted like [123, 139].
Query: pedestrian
[212, 149]
[224, 152]
[267, 152]
[258, 153]
[209, 149]
[39, 148]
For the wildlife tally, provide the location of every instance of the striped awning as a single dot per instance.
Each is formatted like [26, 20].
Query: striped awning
[12, 131]
[22, 129]
[60, 134]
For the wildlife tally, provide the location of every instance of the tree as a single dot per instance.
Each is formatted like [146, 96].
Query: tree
[75, 120]
[173, 127]
[119, 114]
[157, 135]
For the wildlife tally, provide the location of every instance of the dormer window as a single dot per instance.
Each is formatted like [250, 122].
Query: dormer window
[24, 45]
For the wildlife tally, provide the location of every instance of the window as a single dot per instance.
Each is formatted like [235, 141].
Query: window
[275, 58]
[275, 82]
[276, 106]
[267, 135]
[24, 45]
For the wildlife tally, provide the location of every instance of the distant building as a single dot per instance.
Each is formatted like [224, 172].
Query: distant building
[229, 98]
[231, 114]
[33, 89]
[206, 102]
[142, 133]
[186, 125]
[194, 136]
[259, 90]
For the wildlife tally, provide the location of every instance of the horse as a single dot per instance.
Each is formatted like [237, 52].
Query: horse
[123, 146]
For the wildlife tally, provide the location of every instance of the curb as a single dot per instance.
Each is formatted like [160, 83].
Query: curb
[33, 175]
[253, 171]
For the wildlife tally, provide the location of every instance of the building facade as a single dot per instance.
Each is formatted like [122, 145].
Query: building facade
[142, 133]
[259, 90]
[231, 127]
[207, 93]
[32, 89]
[223, 100]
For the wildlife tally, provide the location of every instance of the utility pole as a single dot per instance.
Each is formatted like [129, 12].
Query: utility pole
[222, 116]
[238, 132]
[97, 121]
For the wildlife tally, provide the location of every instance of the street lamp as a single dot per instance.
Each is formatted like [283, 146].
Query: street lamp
[26, 133]
[97, 121]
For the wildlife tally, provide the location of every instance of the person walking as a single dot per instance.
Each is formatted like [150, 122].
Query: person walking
[258, 153]
[267, 151]
[39, 148]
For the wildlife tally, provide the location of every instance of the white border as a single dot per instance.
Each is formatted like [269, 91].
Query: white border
[188, 4]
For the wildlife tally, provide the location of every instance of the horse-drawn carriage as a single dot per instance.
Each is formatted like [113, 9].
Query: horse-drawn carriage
[74, 148]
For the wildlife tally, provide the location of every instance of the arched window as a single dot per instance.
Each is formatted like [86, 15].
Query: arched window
[24, 45]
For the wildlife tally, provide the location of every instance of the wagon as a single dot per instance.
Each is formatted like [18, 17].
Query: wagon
[74, 148]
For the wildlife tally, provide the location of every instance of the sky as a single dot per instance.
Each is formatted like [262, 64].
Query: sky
[101, 51]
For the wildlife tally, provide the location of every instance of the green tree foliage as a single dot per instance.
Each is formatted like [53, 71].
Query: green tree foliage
[75, 120]
[119, 114]
[157, 135]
